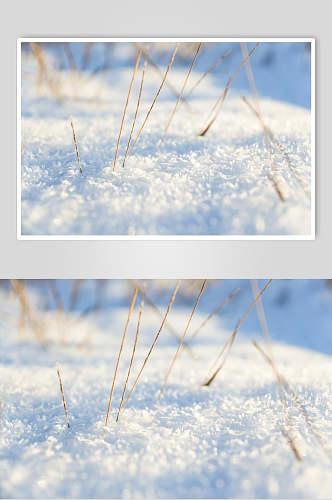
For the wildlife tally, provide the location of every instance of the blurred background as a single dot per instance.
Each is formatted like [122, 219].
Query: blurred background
[281, 69]
[56, 312]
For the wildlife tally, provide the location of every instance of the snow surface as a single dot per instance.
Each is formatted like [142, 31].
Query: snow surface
[218, 442]
[213, 185]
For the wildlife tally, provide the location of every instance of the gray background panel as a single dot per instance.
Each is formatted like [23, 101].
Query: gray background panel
[120, 259]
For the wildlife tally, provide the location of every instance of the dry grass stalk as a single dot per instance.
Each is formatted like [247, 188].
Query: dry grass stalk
[155, 340]
[276, 186]
[43, 70]
[181, 93]
[27, 315]
[74, 293]
[56, 295]
[70, 56]
[63, 394]
[268, 144]
[218, 105]
[261, 316]
[86, 55]
[60, 309]
[292, 167]
[126, 105]
[137, 108]
[155, 98]
[292, 444]
[76, 145]
[168, 325]
[19, 290]
[120, 351]
[284, 386]
[133, 352]
[271, 141]
[268, 135]
[199, 81]
[224, 302]
[289, 433]
[181, 341]
[167, 82]
[227, 347]
[273, 176]
[250, 76]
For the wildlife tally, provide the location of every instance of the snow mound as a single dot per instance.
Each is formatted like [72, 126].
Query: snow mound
[214, 185]
[223, 441]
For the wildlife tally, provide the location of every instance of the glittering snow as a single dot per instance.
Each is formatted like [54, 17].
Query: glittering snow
[195, 442]
[213, 185]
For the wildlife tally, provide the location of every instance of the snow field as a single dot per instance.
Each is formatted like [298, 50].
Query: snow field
[195, 442]
[216, 185]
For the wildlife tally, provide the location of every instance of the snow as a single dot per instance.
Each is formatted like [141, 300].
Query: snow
[223, 441]
[213, 185]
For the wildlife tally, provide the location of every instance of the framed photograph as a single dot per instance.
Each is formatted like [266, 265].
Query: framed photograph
[166, 389]
[166, 138]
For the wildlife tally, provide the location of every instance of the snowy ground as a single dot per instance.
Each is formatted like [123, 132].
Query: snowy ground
[218, 442]
[213, 185]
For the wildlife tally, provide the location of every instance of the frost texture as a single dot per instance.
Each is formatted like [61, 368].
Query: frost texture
[218, 442]
[216, 185]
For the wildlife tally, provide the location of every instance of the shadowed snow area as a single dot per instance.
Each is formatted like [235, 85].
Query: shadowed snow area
[221, 441]
[219, 184]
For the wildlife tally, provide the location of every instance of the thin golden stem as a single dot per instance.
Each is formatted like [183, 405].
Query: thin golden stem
[76, 145]
[181, 93]
[262, 317]
[120, 351]
[167, 82]
[168, 325]
[137, 108]
[155, 340]
[133, 352]
[227, 347]
[125, 108]
[155, 98]
[287, 433]
[222, 98]
[63, 394]
[181, 341]
[224, 302]
[199, 81]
